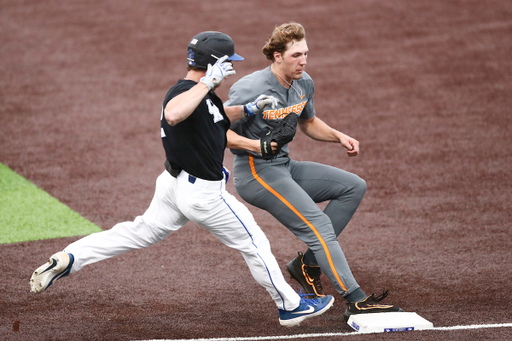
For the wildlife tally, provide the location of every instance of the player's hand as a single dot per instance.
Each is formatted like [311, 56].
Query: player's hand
[215, 74]
[273, 145]
[256, 107]
[351, 144]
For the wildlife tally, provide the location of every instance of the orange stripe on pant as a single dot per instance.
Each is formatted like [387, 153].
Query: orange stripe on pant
[290, 206]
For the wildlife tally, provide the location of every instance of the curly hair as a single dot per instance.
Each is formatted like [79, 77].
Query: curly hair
[281, 36]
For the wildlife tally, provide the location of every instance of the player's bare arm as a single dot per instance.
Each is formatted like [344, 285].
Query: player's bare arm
[250, 109]
[318, 130]
[236, 141]
[234, 113]
[181, 106]
[237, 112]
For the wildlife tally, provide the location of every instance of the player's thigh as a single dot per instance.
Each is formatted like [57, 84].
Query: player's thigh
[273, 189]
[323, 182]
[163, 215]
[229, 220]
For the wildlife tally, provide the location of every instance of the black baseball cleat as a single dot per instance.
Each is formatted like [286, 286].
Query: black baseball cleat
[307, 276]
[370, 305]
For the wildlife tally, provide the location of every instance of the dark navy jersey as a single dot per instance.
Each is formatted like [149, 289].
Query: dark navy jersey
[197, 144]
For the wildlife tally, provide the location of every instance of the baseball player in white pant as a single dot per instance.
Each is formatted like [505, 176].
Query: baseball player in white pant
[194, 123]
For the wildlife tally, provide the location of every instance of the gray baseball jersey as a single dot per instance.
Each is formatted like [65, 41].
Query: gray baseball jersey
[298, 99]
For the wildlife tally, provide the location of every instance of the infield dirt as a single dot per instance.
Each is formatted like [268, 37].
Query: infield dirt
[424, 86]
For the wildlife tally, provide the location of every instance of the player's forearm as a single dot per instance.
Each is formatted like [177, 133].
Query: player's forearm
[183, 105]
[253, 108]
[318, 130]
[234, 113]
[236, 141]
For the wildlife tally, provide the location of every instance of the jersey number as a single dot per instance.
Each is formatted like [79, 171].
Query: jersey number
[212, 108]
[162, 132]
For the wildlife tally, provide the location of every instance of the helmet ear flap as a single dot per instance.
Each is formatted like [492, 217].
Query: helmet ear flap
[199, 57]
[195, 58]
[191, 57]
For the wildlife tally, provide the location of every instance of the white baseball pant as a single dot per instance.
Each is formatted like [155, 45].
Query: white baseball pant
[209, 205]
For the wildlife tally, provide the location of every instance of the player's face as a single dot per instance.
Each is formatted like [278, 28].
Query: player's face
[294, 60]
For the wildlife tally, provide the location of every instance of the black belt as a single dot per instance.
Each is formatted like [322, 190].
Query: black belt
[173, 169]
[176, 170]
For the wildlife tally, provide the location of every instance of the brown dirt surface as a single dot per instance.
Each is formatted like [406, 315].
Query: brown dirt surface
[425, 86]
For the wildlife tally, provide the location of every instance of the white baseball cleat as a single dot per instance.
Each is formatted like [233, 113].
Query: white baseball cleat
[58, 266]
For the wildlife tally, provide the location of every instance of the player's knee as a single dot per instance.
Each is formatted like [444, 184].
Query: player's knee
[319, 244]
[261, 241]
[359, 188]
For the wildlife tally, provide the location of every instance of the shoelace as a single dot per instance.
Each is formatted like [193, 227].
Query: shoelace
[304, 296]
[380, 297]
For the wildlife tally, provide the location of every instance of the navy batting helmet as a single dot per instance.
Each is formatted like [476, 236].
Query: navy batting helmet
[206, 47]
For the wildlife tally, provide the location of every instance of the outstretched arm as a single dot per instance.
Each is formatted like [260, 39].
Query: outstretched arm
[234, 113]
[320, 131]
[236, 141]
[250, 109]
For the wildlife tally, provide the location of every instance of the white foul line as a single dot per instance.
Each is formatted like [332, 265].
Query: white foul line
[303, 336]
[475, 326]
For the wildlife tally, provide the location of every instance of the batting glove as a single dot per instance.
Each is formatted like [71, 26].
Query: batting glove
[256, 107]
[215, 74]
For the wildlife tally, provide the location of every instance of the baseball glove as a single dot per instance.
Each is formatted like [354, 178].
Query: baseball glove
[282, 134]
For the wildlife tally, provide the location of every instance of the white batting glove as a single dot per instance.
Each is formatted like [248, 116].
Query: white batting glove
[216, 73]
[256, 107]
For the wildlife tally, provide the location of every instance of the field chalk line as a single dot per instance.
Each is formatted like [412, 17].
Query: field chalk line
[304, 336]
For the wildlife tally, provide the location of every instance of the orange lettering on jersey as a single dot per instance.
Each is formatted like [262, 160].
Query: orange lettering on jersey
[283, 112]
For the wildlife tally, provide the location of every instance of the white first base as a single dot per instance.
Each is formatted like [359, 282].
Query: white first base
[388, 322]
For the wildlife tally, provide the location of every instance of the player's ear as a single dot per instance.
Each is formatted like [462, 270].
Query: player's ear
[277, 57]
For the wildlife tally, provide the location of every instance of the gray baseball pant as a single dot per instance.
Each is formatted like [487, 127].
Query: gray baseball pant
[289, 190]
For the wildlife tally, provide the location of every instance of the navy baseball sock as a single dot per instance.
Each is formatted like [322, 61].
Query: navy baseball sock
[309, 258]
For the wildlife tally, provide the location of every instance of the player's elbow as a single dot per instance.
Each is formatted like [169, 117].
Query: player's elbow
[172, 122]
[304, 124]
[171, 117]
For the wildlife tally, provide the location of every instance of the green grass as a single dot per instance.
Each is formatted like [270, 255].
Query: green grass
[29, 213]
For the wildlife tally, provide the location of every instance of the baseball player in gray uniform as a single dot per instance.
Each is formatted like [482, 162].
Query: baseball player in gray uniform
[289, 189]
[194, 123]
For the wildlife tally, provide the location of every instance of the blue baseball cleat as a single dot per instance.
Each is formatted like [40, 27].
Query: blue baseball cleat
[58, 266]
[307, 308]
